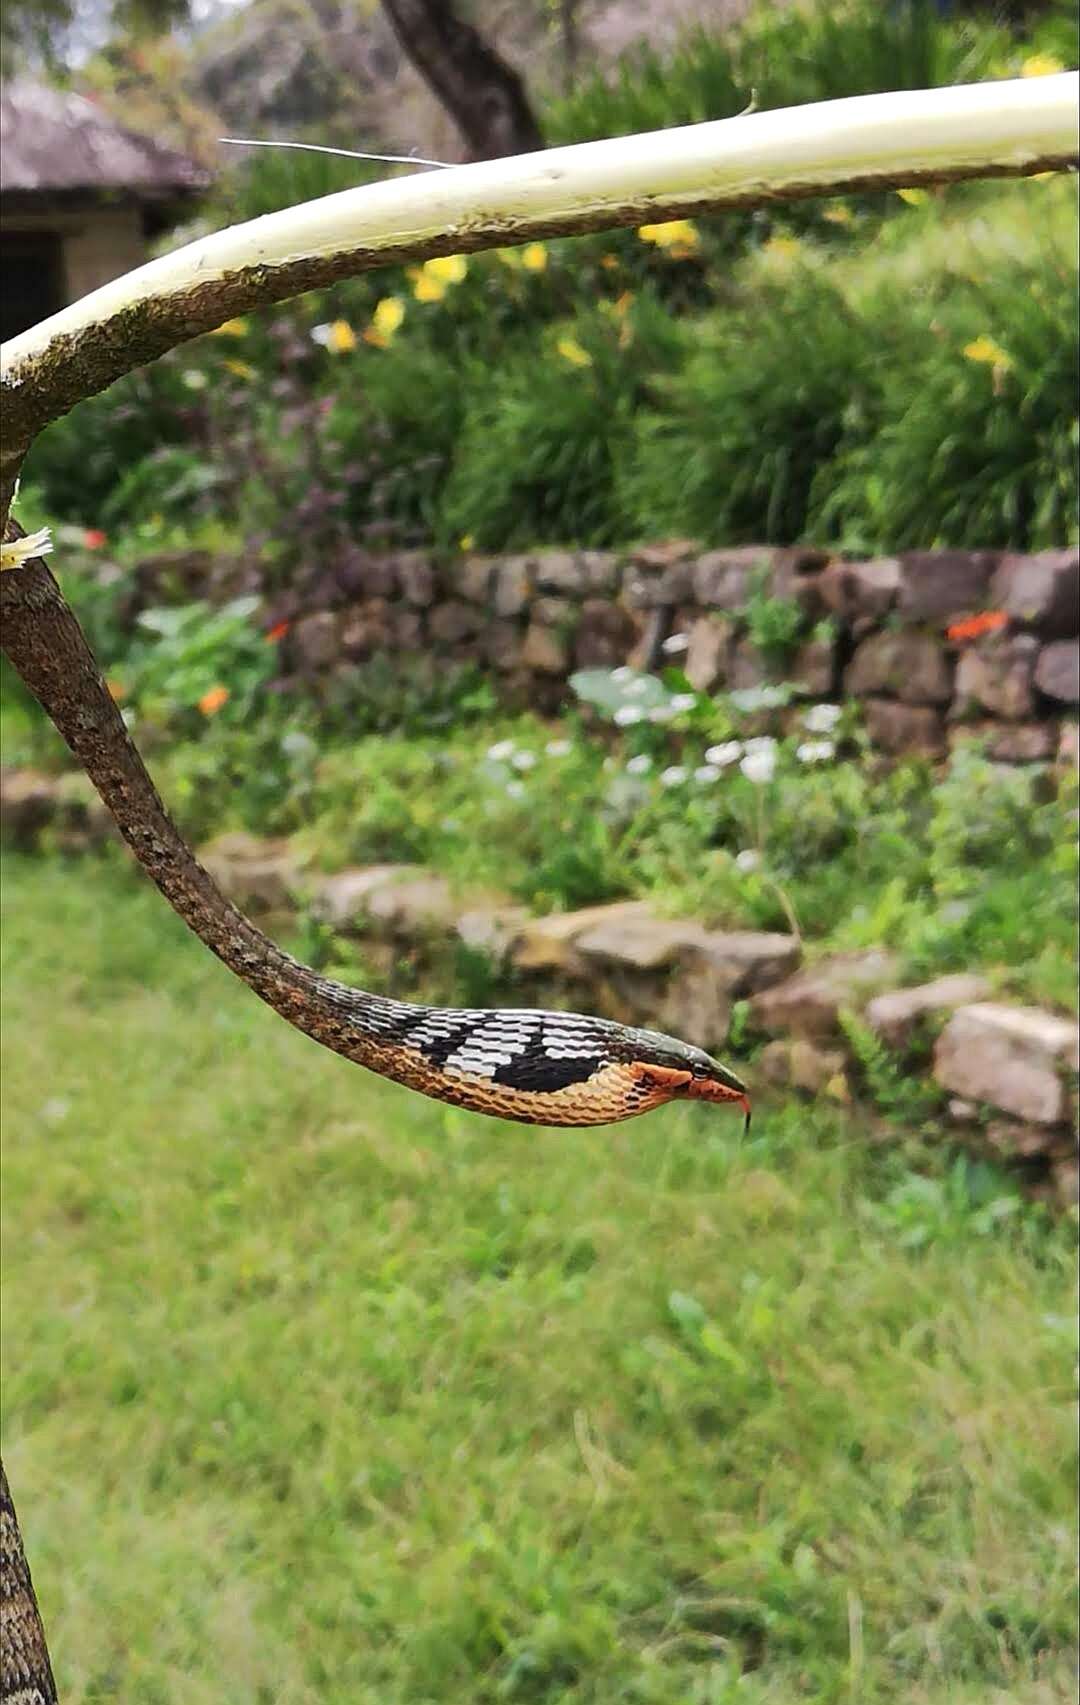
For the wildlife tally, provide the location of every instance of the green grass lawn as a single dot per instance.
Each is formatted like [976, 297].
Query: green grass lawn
[318, 1392]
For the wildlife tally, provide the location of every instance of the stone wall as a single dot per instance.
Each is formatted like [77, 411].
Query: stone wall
[936, 644]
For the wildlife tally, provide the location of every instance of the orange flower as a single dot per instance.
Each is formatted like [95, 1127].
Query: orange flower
[213, 700]
[973, 627]
[278, 631]
[117, 691]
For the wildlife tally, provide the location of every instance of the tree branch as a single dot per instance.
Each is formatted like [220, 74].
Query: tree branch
[870, 142]
[26, 1676]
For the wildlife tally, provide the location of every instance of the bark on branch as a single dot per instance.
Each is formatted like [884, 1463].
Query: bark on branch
[26, 1676]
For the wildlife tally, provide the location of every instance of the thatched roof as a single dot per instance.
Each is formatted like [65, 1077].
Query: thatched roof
[56, 144]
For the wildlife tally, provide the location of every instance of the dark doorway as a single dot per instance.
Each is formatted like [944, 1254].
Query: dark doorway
[31, 280]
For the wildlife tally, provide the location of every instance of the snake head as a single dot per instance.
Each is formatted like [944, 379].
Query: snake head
[679, 1072]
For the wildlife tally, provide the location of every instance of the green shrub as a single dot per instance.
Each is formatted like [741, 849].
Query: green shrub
[542, 439]
[975, 439]
[774, 625]
[81, 461]
[739, 438]
[726, 384]
[258, 181]
[189, 652]
[403, 424]
[782, 56]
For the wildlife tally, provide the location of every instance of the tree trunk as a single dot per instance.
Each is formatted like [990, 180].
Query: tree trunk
[26, 1676]
[568, 42]
[484, 96]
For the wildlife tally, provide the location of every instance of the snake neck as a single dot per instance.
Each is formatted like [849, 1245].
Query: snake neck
[46, 645]
[536, 1067]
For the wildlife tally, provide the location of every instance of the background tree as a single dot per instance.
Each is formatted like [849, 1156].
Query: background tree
[482, 93]
[53, 33]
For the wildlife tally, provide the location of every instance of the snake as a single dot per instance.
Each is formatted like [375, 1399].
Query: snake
[534, 1066]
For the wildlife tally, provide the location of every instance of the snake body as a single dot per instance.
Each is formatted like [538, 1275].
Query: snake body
[541, 1068]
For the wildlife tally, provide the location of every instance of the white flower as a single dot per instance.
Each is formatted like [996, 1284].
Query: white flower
[683, 701]
[822, 718]
[16, 551]
[706, 774]
[815, 751]
[724, 754]
[322, 334]
[759, 767]
[748, 861]
[639, 766]
[515, 790]
[195, 379]
[759, 698]
[628, 714]
[501, 751]
[558, 748]
[673, 776]
[662, 713]
[296, 744]
[761, 743]
[676, 644]
[523, 760]
[622, 673]
[638, 687]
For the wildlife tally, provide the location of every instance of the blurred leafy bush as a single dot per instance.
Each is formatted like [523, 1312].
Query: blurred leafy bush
[882, 371]
[543, 438]
[784, 56]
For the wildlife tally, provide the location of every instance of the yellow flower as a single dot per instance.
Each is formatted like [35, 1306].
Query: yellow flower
[913, 197]
[675, 234]
[534, 257]
[340, 338]
[838, 214]
[984, 349]
[432, 280]
[448, 269]
[230, 328]
[388, 315]
[426, 288]
[385, 321]
[242, 369]
[466, 542]
[570, 350]
[1041, 65]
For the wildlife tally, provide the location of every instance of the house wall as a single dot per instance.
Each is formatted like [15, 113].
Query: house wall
[98, 243]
